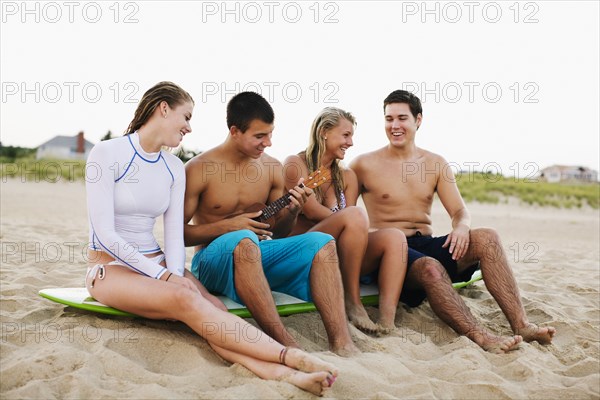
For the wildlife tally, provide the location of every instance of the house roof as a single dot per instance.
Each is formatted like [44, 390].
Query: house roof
[66, 141]
[566, 168]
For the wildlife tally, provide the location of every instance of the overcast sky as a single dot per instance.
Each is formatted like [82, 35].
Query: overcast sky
[508, 85]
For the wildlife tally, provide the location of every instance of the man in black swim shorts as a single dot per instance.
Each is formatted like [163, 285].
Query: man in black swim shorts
[398, 183]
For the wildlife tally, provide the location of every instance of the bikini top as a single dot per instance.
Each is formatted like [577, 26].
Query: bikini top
[341, 205]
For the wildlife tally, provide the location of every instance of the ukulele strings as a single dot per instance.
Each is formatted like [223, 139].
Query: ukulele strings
[280, 203]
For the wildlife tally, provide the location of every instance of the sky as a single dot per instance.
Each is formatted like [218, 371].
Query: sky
[508, 87]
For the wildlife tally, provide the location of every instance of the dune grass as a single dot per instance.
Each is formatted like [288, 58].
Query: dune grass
[492, 188]
[481, 187]
[28, 169]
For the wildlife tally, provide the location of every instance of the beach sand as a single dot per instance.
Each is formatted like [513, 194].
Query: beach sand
[51, 351]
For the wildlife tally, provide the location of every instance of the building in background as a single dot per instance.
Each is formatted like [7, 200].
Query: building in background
[65, 147]
[568, 173]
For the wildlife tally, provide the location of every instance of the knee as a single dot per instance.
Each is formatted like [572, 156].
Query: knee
[356, 217]
[327, 254]
[244, 235]
[485, 243]
[485, 235]
[393, 237]
[186, 299]
[352, 219]
[247, 251]
[429, 270]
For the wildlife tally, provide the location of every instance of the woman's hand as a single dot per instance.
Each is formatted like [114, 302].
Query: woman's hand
[179, 280]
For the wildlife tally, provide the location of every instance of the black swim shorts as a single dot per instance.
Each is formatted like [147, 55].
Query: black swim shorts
[427, 246]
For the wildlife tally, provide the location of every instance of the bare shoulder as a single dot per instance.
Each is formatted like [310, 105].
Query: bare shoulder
[434, 162]
[350, 179]
[294, 168]
[349, 173]
[430, 156]
[204, 157]
[364, 160]
[270, 160]
[272, 170]
[201, 167]
[293, 159]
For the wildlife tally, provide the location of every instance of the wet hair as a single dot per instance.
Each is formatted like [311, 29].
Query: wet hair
[162, 91]
[402, 96]
[245, 107]
[327, 119]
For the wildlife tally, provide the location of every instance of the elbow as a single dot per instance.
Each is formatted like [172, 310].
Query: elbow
[188, 237]
[315, 217]
[311, 215]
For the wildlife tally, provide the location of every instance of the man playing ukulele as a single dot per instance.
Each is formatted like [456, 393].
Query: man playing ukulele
[234, 255]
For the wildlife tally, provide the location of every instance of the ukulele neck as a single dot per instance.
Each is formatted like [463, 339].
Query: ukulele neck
[276, 206]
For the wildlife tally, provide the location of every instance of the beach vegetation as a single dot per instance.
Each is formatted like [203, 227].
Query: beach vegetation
[11, 153]
[20, 163]
[29, 169]
[495, 188]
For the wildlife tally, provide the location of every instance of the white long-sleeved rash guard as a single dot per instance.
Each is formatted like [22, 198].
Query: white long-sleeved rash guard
[127, 189]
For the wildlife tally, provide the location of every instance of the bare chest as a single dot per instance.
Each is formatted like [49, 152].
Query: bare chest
[400, 184]
[225, 198]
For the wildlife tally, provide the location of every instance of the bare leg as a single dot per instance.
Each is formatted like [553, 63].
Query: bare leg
[313, 382]
[226, 333]
[498, 277]
[349, 227]
[428, 274]
[156, 299]
[387, 250]
[253, 288]
[327, 293]
[205, 293]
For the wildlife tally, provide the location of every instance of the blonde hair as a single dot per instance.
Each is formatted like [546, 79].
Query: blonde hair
[162, 91]
[327, 119]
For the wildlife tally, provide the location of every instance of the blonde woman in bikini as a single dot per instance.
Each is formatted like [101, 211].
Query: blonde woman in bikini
[379, 253]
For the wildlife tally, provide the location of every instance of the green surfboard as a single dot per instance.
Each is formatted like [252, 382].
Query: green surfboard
[286, 305]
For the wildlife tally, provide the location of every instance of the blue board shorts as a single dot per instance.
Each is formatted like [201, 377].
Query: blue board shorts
[286, 262]
[420, 246]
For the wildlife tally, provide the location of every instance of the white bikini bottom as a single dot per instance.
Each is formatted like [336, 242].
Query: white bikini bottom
[98, 271]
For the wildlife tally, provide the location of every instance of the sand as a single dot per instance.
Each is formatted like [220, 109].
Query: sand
[51, 351]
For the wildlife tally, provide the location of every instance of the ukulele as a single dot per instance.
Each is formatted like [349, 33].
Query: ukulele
[319, 177]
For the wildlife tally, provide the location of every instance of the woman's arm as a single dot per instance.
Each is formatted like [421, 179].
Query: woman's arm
[294, 169]
[173, 223]
[351, 189]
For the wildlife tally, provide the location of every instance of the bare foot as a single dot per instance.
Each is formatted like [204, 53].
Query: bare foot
[302, 361]
[495, 344]
[387, 318]
[357, 315]
[385, 328]
[533, 332]
[314, 382]
[347, 350]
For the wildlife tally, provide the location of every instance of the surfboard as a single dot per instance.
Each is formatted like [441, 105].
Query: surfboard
[286, 304]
